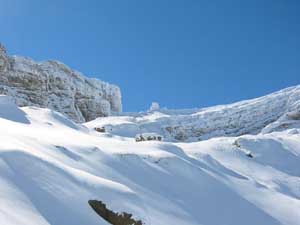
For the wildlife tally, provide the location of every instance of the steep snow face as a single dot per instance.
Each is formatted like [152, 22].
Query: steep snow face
[276, 111]
[53, 85]
[51, 167]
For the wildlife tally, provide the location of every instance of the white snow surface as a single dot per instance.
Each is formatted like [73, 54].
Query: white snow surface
[276, 111]
[50, 167]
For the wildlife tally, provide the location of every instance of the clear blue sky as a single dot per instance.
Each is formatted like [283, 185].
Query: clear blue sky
[180, 53]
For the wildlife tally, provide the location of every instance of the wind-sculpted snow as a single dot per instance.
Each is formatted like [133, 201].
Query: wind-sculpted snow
[8, 110]
[276, 111]
[53, 85]
[50, 168]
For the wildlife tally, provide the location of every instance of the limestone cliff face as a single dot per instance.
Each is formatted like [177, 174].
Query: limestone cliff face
[53, 85]
[274, 112]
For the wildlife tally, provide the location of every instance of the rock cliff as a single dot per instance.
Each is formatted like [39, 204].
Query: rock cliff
[274, 112]
[53, 85]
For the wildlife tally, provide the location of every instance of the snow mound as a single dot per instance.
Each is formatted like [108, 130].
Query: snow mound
[10, 111]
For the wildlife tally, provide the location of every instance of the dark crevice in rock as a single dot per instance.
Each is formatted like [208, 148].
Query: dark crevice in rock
[111, 216]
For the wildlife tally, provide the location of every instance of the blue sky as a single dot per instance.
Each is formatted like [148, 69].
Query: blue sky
[180, 53]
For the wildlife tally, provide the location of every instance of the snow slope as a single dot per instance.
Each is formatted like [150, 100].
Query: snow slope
[277, 111]
[50, 167]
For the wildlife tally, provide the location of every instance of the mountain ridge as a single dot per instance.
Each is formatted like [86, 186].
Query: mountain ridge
[52, 84]
[228, 164]
[263, 114]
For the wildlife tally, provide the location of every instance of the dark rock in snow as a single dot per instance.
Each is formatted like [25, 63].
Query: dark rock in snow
[111, 216]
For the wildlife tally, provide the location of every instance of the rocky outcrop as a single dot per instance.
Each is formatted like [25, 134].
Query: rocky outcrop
[3, 59]
[111, 216]
[274, 112]
[53, 85]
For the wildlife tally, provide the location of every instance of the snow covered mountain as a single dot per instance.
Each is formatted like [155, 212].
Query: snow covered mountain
[276, 111]
[54, 171]
[53, 85]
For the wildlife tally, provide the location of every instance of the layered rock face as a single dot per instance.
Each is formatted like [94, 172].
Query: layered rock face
[274, 112]
[53, 85]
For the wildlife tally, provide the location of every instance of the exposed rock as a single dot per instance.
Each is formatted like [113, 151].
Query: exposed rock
[294, 115]
[53, 85]
[249, 154]
[111, 216]
[236, 143]
[100, 129]
[154, 107]
[274, 112]
[148, 137]
[3, 59]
